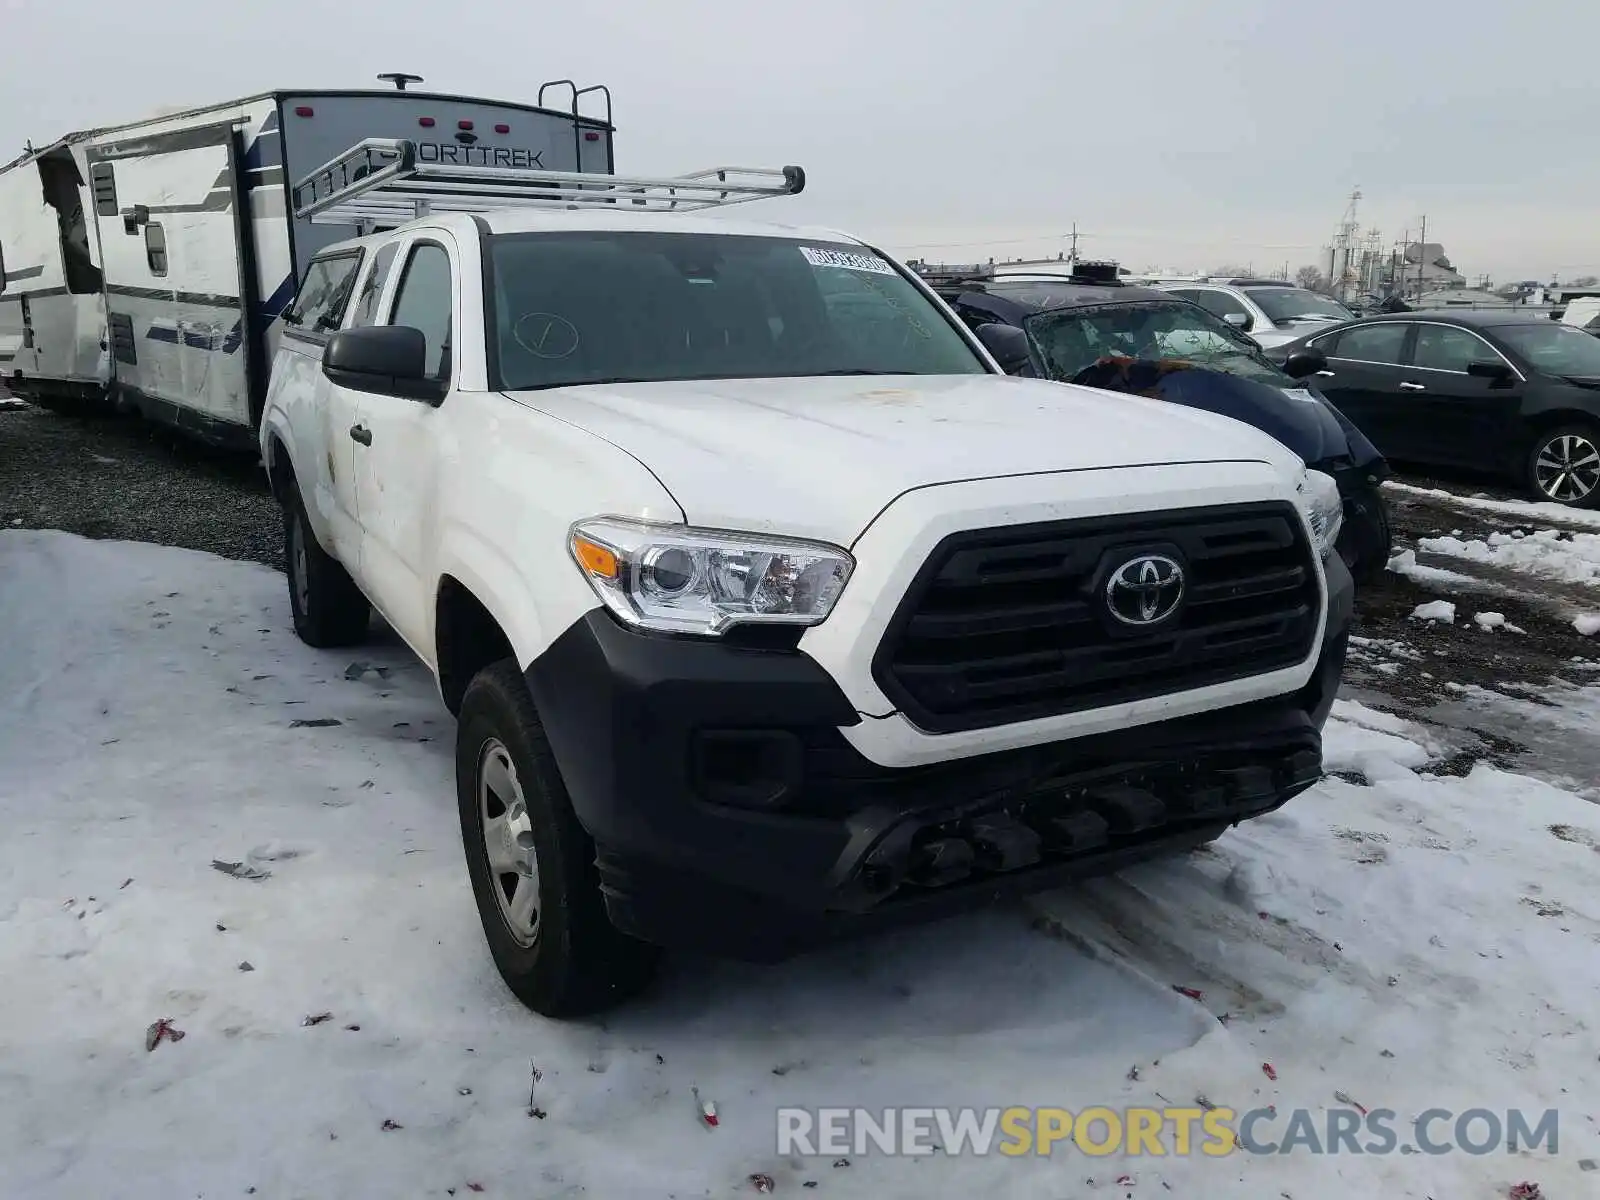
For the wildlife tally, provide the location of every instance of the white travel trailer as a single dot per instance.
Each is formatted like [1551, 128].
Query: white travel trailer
[149, 265]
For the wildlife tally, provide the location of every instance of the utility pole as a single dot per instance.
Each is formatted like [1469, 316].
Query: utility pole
[1073, 254]
[1422, 254]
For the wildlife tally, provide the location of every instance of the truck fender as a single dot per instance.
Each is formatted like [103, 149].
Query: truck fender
[497, 584]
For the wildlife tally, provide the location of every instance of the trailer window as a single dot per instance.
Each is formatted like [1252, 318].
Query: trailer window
[366, 310]
[324, 295]
[155, 248]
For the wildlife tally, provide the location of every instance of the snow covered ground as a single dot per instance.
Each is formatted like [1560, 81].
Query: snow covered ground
[1402, 938]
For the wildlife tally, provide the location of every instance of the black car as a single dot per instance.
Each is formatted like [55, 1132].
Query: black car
[1514, 394]
[1098, 332]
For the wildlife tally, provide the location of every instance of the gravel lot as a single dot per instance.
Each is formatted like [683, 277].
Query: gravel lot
[122, 478]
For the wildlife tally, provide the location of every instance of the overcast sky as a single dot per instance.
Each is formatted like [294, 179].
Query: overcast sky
[1177, 134]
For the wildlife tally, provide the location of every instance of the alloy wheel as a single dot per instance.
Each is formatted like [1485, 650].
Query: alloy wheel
[1567, 468]
[508, 842]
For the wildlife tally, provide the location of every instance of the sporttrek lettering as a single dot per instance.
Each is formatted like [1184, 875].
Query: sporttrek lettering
[479, 156]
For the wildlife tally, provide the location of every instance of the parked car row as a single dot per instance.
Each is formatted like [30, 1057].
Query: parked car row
[1494, 391]
[1093, 329]
[1507, 393]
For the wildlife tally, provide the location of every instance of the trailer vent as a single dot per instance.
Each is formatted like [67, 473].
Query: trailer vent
[103, 181]
[119, 326]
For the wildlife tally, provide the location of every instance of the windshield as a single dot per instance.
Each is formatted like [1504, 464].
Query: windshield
[1554, 349]
[1287, 303]
[607, 306]
[1073, 339]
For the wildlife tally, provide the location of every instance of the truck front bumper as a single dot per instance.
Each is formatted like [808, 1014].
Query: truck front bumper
[730, 816]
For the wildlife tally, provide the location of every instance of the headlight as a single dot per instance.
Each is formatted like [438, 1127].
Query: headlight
[1324, 508]
[676, 579]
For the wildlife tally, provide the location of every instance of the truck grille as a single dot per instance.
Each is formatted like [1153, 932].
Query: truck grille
[1014, 623]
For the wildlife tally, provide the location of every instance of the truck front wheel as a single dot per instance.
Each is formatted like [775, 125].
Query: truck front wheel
[328, 609]
[531, 863]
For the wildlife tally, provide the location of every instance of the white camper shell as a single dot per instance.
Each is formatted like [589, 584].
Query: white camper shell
[151, 265]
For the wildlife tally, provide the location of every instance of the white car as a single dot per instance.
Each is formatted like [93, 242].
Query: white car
[1584, 314]
[1272, 312]
[769, 608]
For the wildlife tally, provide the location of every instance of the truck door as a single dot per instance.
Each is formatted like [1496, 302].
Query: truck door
[179, 278]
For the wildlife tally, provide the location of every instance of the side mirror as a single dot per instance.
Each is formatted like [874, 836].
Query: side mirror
[1491, 369]
[1009, 345]
[1238, 320]
[391, 360]
[1305, 362]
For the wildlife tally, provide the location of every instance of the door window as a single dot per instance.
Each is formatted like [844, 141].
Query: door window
[1374, 343]
[1444, 348]
[366, 309]
[424, 302]
[1220, 304]
[323, 296]
[973, 319]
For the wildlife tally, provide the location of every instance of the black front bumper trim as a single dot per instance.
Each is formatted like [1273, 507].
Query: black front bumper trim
[732, 816]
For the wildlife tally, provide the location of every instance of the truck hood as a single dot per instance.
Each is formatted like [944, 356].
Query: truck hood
[821, 457]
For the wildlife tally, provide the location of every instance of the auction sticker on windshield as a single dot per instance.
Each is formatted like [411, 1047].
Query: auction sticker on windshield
[848, 259]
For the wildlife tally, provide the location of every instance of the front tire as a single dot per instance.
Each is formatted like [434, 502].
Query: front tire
[1564, 466]
[1366, 542]
[532, 864]
[329, 610]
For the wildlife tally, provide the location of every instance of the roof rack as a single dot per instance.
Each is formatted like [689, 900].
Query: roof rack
[1096, 279]
[382, 181]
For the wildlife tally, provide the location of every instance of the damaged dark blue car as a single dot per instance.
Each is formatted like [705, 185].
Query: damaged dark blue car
[1091, 329]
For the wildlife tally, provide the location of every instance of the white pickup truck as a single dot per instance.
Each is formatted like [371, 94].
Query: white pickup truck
[770, 609]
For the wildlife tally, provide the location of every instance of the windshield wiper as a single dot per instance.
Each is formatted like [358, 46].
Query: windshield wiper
[860, 371]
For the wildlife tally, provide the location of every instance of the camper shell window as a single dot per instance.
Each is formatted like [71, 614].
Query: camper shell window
[324, 295]
[155, 248]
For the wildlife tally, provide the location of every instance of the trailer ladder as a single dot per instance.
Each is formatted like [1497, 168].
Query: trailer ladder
[380, 182]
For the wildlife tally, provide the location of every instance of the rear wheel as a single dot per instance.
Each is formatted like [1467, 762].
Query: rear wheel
[1564, 466]
[531, 863]
[329, 610]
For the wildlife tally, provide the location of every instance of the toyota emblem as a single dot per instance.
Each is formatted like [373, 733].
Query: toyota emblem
[1145, 590]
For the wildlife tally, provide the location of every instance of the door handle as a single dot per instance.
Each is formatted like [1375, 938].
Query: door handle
[361, 434]
[1408, 386]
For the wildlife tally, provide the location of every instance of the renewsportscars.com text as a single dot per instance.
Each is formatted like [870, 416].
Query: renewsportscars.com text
[1161, 1132]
